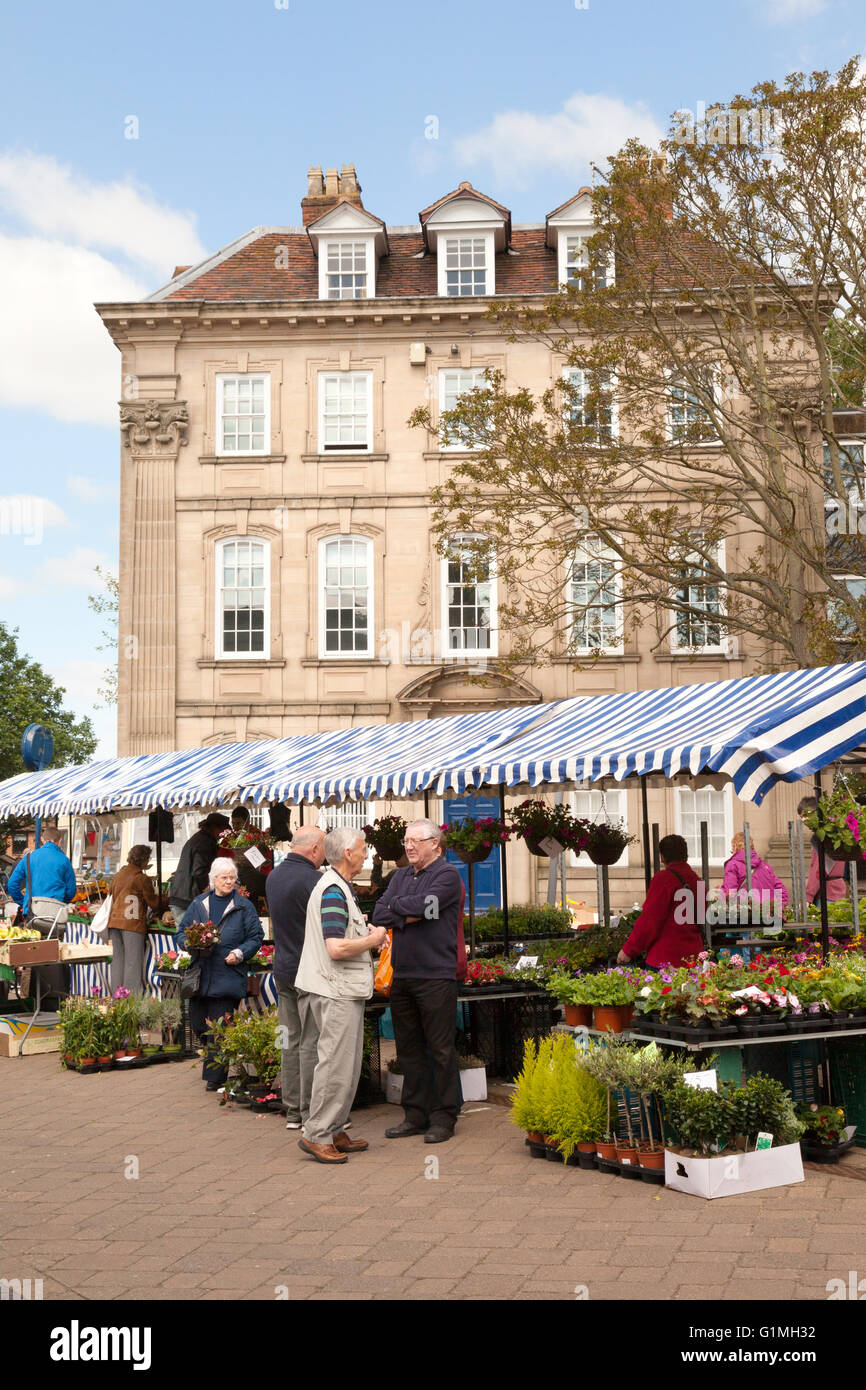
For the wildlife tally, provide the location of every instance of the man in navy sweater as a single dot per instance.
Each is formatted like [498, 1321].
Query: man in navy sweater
[422, 904]
[288, 888]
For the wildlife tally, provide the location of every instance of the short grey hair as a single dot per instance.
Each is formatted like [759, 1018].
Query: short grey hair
[221, 866]
[432, 830]
[338, 840]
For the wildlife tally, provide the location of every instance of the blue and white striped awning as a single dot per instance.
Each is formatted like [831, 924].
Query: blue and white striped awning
[755, 731]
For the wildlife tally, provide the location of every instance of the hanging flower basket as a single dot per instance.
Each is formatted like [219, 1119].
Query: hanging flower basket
[386, 836]
[606, 842]
[473, 840]
[839, 824]
[535, 821]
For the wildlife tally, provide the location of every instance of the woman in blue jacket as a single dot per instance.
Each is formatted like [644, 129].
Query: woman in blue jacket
[224, 971]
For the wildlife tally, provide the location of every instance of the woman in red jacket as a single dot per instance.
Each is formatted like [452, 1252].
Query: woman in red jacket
[666, 933]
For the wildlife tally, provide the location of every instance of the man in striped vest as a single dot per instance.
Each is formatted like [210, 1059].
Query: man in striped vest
[334, 979]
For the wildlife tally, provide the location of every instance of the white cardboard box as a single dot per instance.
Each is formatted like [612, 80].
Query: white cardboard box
[473, 1083]
[729, 1174]
[393, 1088]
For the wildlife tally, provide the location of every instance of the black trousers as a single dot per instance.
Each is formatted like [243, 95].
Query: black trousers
[203, 1009]
[424, 1013]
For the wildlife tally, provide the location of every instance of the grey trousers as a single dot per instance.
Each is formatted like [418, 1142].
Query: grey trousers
[338, 1025]
[128, 960]
[298, 1058]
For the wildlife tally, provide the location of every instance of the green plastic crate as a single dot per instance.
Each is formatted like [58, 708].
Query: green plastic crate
[848, 1082]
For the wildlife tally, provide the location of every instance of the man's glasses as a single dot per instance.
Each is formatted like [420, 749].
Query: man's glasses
[419, 840]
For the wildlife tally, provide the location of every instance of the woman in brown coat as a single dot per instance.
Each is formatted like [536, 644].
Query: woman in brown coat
[131, 895]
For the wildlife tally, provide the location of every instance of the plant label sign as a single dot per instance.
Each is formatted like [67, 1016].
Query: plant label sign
[526, 962]
[255, 856]
[550, 846]
[764, 1141]
[702, 1080]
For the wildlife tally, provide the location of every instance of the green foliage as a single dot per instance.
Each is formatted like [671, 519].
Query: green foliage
[31, 697]
[578, 1107]
[249, 1040]
[107, 605]
[523, 921]
[711, 1121]
[529, 1104]
[591, 947]
[613, 989]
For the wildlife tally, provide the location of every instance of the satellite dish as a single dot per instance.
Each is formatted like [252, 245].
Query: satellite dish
[37, 747]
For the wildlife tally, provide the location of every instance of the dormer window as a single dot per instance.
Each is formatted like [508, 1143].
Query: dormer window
[577, 264]
[348, 242]
[466, 229]
[569, 229]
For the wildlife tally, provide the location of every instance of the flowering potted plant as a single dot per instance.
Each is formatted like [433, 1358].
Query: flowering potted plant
[481, 975]
[386, 836]
[837, 822]
[248, 838]
[826, 1136]
[607, 840]
[176, 961]
[202, 937]
[472, 840]
[535, 821]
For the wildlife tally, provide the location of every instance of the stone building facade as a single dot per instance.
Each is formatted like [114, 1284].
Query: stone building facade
[277, 574]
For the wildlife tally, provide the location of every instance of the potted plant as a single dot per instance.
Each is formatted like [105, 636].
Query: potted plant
[562, 986]
[535, 821]
[170, 1016]
[473, 1077]
[612, 994]
[607, 840]
[103, 1038]
[202, 938]
[483, 975]
[578, 1110]
[386, 836]
[149, 1023]
[826, 1136]
[836, 822]
[528, 1104]
[472, 840]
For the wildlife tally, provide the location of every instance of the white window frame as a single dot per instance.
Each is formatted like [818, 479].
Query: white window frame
[833, 604]
[369, 651]
[726, 793]
[674, 382]
[582, 554]
[478, 383]
[469, 234]
[355, 814]
[615, 805]
[363, 447]
[711, 648]
[474, 653]
[220, 653]
[569, 375]
[583, 232]
[221, 380]
[328, 243]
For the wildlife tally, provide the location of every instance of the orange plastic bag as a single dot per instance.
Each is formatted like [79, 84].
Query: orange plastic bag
[384, 969]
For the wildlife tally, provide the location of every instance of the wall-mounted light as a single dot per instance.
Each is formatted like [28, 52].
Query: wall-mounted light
[454, 349]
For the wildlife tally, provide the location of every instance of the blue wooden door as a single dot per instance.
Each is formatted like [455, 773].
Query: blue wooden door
[487, 874]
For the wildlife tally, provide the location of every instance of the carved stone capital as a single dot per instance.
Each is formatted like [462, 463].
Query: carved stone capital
[154, 429]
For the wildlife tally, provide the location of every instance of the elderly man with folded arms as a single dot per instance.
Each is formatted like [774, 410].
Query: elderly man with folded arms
[334, 980]
[422, 904]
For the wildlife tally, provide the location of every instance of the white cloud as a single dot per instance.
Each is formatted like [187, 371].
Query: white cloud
[92, 489]
[10, 588]
[521, 144]
[55, 353]
[58, 202]
[789, 11]
[74, 571]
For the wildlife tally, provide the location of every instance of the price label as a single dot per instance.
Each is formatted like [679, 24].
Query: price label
[526, 962]
[550, 846]
[702, 1080]
[255, 856]
[764, 1141]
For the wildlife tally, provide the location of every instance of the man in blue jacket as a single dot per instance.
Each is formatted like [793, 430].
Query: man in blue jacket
[288, 888]
[422, 904]
[51, 874]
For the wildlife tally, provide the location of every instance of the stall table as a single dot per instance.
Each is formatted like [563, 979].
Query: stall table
[498, 1032]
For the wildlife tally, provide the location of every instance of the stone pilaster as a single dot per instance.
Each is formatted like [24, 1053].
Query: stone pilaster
[153, 433]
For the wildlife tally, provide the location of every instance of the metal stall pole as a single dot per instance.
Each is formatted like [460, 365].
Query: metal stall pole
[705, 876]
[471, 874]
[553, 866]
[504, 869]
[599, 895]
[605, 895]
[300, 813]
[855, 899]
[747, 849]
[426, 803]
[822, 880]
[562, 884]
[647, 870]
[801, 869]
[795, 878]
[656, 857]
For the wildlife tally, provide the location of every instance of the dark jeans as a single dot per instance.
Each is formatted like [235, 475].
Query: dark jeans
[203, 1009]
[425, 1014]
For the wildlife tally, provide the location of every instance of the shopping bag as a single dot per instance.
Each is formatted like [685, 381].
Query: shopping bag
[384, 969]
[99, 922]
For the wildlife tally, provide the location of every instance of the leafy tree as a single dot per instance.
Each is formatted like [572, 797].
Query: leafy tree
[31, 697]
[106, 605]
[712, 361]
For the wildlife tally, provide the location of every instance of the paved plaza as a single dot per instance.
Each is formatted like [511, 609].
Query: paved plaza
[226, 1206]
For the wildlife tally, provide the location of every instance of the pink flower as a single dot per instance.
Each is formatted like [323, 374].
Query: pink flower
[741, 1010]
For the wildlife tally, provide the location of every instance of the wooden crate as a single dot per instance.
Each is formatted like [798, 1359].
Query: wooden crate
[29, 952]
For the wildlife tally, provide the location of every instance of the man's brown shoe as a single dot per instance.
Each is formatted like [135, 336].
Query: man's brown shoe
[323, 1153]
[345, 1145]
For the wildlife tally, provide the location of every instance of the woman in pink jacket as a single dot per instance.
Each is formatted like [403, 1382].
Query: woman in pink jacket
[765, 880]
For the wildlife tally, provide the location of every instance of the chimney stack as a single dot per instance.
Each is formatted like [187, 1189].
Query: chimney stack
[325, 190]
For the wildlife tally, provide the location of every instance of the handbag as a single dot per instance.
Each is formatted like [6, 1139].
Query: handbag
[99, 922]
[190, 980]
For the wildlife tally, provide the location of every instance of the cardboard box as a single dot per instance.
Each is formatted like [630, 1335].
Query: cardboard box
[393, 1088]
[85, 952]
[473, 1083]
[29, 952]
[730, 1174]
[44, 1037]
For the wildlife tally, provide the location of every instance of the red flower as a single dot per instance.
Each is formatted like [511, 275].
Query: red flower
[666, 989]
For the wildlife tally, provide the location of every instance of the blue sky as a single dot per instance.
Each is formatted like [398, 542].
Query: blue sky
[231, 102]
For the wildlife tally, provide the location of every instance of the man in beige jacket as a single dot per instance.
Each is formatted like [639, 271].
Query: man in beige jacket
[334, 980]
